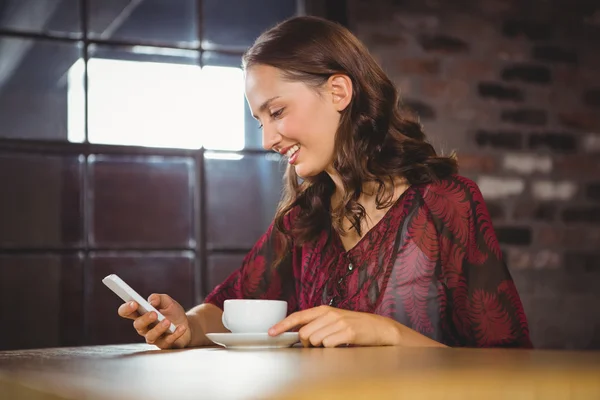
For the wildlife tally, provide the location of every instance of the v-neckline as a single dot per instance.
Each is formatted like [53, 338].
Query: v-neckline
[373, 228]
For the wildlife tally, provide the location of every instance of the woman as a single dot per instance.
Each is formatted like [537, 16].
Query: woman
[377, 241]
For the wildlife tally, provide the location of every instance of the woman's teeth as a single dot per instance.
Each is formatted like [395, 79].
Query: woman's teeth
[292, 150]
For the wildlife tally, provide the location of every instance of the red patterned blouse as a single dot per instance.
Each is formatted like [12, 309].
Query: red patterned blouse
[432, 263]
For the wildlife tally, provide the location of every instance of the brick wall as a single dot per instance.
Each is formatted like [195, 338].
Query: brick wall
[514, 87]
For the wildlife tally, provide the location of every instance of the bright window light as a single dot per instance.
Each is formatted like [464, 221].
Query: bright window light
[76, 103]
[157, 105]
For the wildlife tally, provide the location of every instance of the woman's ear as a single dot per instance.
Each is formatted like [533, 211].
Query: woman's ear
[340, 86]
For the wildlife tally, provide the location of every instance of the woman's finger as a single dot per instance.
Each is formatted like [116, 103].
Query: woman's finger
[317, 336]
[339, 338]
[169, 340]
[128, 310]
[308, 330]
[298, 318]
[141, 323]
[155, 333]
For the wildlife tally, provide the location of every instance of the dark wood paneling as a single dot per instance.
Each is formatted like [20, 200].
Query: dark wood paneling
[241, 198]
[41, 301]
[141, 202]
[220, 266]
[170, 273]
[40, 205]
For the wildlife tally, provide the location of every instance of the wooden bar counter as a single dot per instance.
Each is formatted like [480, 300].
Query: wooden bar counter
[140, 371]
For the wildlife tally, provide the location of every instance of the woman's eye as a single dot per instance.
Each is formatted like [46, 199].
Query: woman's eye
[277, 113]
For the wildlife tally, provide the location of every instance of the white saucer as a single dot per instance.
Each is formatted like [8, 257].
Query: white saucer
[254, 340]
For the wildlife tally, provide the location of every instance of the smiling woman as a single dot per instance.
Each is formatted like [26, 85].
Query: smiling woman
[293, 118]
[377, 240]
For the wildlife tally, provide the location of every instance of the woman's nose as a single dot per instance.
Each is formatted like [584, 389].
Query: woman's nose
[271, 138]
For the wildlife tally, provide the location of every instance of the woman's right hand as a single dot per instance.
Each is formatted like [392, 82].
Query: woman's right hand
[157, 334]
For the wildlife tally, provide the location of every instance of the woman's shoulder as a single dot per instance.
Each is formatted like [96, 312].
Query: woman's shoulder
[289, 219]
[452, 188]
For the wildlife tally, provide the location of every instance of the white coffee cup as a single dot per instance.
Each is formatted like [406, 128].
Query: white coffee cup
[252, 316]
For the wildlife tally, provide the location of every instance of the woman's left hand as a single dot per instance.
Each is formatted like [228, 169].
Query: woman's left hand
[330, 327]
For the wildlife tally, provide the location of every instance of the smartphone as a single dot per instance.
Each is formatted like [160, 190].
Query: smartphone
[125, 292]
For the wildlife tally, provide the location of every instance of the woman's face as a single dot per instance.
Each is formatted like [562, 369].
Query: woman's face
[297, 121]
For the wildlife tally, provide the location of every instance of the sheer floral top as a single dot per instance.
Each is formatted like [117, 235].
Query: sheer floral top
[432, 263]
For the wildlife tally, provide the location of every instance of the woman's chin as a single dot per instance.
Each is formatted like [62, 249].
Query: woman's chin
[303, 172]
[300, 174]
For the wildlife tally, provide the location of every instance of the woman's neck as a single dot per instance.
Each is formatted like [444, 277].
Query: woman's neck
[369, 190]
[337, 180]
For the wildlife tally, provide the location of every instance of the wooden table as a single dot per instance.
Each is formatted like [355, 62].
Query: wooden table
[140, 371]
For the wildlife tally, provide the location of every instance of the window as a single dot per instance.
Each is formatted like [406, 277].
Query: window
[157, 104]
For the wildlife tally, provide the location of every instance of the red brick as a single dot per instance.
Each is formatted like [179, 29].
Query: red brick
[579, 120]
[367, 12]
[591, 143]
[581, 214]
[514, 235]
[519, 259]
[470, 69]
[530, 210]
[568, 76]
[419, 66]
[496, 8]
[467, 25]
[411, 22]
[510, 50]
[443, 43]
[582, 261]
[475, 163]
[581, 238]
[405, 85]
[577, 165]
[435, 87]
[527, 72]
[547, 259]
[548, 236]
[381, 39]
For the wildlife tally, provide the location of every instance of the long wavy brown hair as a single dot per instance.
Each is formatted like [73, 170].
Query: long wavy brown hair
[375, 142]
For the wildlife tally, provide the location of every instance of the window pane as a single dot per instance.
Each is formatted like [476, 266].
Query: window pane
[160, 21]
[237, 23]
[33, 88]
[143, 98]
[222, 108]
[41, 16]
[159, 98]
[252, 134]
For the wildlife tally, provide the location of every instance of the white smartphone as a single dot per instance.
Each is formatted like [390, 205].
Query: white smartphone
[125, 292]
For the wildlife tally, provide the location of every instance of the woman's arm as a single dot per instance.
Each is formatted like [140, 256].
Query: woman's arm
[407, 337]
[204, 318]
[256, 278]
[484, 306]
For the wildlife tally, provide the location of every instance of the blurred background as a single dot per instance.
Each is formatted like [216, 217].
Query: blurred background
[126, 147]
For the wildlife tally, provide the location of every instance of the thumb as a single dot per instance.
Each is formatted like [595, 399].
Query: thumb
[160, 301]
